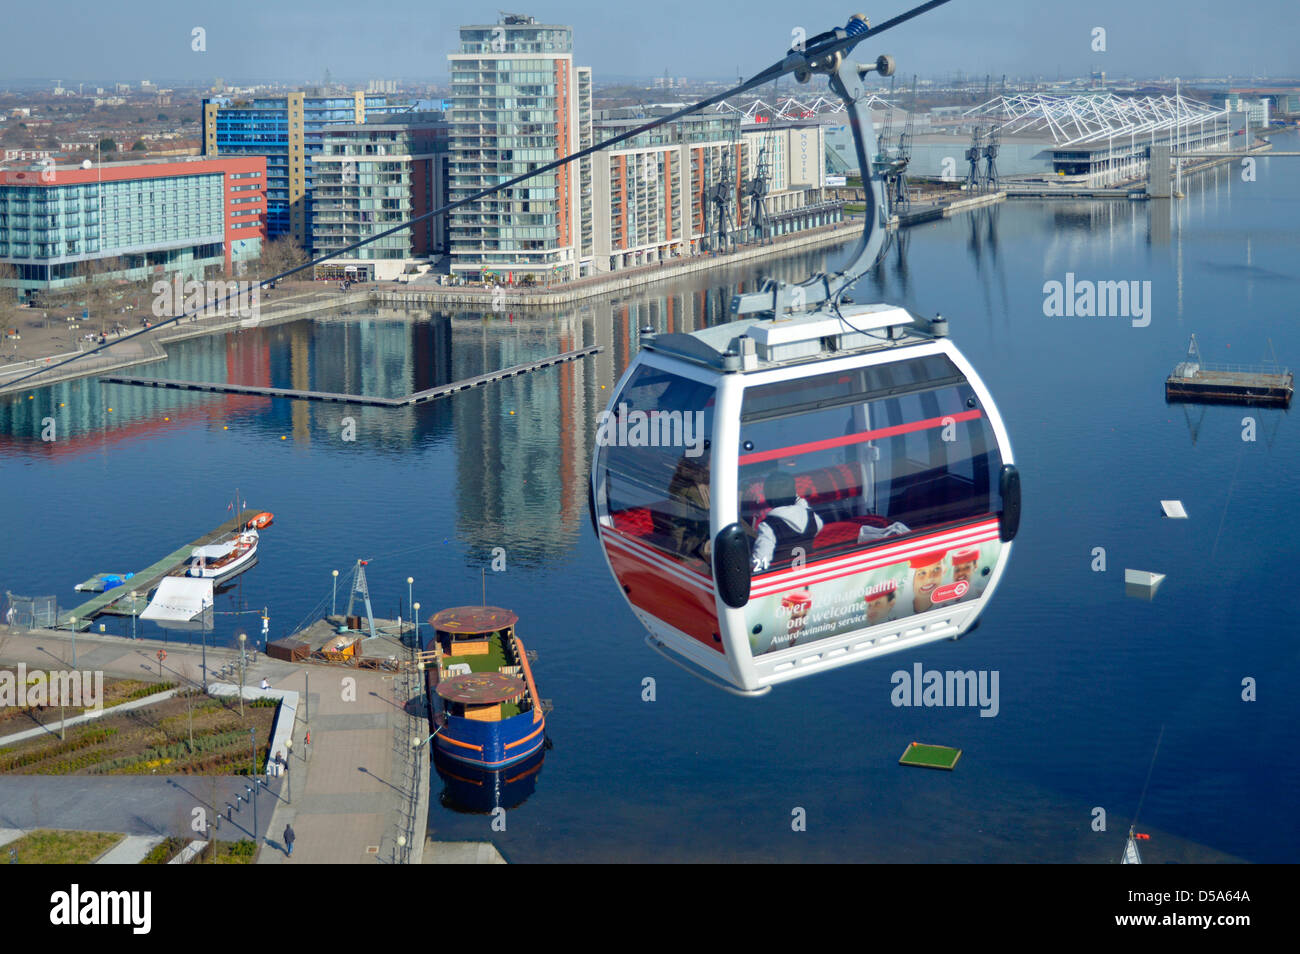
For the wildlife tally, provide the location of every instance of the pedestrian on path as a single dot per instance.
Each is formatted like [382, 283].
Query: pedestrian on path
[288, 840]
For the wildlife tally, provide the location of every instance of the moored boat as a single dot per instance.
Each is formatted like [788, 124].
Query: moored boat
[484, 710]
[222, 560]
[228, 557]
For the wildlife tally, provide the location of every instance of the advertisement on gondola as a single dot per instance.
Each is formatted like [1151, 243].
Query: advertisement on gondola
[824, 601]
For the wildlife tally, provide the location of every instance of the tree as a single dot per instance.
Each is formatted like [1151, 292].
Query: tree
[9, 308]
[139, 146]
[162, 117]
[280, 255]
[107, 145]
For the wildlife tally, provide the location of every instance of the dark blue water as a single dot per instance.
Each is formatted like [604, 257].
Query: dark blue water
[1088, 675]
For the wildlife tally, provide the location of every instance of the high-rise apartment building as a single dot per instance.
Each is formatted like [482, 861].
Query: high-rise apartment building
[288, 131]
[517, 102]
[370, 177]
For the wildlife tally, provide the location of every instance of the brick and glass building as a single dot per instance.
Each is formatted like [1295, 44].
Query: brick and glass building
[370, 177]
[288, 131]
[517, 102]
[651, 191]
[60, 225]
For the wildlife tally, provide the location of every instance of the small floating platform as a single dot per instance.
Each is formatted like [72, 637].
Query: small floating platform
[930, 756]
[1261, 385]
[103, 581]
[1205, 385]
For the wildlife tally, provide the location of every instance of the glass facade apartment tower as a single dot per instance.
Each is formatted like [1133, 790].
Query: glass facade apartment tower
[517, 103]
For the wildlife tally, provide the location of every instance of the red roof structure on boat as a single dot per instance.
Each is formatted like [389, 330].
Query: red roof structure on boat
[472, 620]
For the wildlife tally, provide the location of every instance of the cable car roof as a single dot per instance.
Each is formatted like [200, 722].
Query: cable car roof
[764, 343]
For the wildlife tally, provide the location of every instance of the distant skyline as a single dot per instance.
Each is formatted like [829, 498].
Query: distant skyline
[296, 41]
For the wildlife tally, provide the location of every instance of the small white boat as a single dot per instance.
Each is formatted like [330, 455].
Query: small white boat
[219, 562]
[1131, 854]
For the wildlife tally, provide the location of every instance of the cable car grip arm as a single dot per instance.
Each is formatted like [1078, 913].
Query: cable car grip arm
[845, 80]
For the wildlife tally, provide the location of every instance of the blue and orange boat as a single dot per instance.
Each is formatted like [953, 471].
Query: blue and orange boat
[484, 710]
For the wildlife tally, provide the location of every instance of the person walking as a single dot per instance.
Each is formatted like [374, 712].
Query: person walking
[288, 840]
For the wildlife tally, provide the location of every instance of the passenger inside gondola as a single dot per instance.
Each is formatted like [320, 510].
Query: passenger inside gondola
[789, 527]
[877, 453]
[655, 465]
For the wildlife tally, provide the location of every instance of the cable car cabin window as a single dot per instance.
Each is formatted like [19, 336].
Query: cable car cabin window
[863, 458]
[654, 464]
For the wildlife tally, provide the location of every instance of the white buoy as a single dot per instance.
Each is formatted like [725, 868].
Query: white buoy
[1143, 578]
[1173, 509]
[1142, 583]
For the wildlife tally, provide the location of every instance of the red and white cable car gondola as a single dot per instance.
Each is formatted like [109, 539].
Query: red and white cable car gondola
[811, 484]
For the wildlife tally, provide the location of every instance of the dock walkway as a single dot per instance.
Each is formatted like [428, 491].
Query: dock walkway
[418, 397]
[145, 579]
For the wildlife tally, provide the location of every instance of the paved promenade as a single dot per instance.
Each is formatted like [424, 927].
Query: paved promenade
[352, 788]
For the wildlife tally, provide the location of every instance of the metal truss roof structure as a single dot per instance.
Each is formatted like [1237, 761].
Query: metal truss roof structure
[791, 108]
[1084, 119]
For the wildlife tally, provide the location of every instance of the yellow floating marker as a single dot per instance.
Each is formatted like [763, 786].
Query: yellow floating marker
[282, 437]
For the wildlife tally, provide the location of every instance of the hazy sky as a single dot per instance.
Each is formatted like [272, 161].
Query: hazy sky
[296, 40]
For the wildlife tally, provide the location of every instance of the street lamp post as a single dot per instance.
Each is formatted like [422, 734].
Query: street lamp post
[409, 580]
[133, 614]
[243, 637]
[334, 595]
[288, 779]
[401, 845]
[73, 623]
[252, 797]
[416, 614]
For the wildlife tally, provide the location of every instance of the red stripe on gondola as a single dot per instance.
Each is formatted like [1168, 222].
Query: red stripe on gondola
[850, 564]
[827, 575]
[833, 442]
[650, 555]
[683, 604]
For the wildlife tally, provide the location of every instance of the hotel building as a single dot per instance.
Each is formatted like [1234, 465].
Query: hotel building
[60, 225]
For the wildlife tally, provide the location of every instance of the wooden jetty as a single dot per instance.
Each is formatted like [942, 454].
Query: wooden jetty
[1196, 381]
[419, 397]
[118, 599]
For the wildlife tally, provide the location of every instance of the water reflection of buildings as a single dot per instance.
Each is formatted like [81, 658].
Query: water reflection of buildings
[81, 411]
[522, 446]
